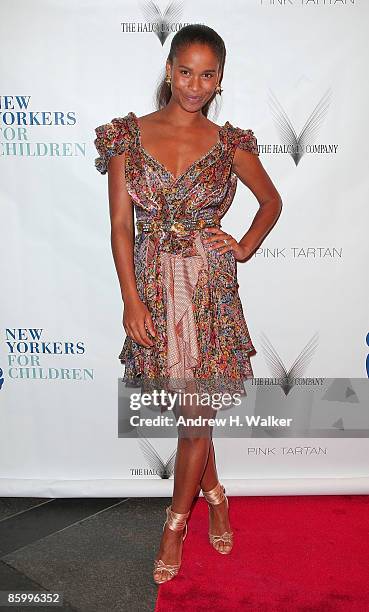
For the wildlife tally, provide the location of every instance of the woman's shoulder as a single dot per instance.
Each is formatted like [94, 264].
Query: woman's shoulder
[112, 138]
[242, 138]
[116, 126]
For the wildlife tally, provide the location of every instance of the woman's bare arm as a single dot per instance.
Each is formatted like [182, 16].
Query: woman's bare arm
[249, 169]
[122, 227]
[136, 314]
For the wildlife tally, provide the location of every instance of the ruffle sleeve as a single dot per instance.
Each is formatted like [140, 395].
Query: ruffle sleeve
[246, 140]
[111, 139]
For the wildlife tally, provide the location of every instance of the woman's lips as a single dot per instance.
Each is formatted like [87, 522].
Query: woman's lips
[193, 98]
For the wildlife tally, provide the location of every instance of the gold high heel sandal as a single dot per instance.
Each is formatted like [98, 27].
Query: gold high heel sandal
[222, 543]
[175, 522]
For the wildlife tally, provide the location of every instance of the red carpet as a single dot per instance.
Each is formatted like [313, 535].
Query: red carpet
[291, 553]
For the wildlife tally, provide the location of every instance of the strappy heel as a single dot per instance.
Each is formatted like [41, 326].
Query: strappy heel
[175, 522]
[214, 497]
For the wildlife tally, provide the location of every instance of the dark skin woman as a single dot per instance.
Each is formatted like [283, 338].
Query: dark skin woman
[177, 135]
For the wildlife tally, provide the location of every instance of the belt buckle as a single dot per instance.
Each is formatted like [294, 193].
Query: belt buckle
[178, 228]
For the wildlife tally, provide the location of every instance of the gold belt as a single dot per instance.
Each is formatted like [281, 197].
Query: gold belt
[178, 227]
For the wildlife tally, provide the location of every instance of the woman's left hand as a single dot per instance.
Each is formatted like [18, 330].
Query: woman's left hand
[216, 241]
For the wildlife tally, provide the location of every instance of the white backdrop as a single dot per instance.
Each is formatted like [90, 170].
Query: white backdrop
[71, 66]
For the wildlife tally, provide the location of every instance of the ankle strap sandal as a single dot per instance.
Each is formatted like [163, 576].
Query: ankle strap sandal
[176, 522]
[222, 543]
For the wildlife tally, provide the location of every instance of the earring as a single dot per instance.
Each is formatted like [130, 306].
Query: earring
[218, 89]
[168, 79]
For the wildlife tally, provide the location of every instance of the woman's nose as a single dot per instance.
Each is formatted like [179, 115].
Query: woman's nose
[194, 84]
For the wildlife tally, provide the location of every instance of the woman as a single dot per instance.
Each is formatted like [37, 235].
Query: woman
[182, 314]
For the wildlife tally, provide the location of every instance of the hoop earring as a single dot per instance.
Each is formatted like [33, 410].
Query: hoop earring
[218, 89]
[168, 80]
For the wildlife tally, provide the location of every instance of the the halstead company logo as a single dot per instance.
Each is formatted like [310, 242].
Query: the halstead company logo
[307, 3]
[157, 22]
[157, 466]
[27, 349]
[18, 125]
[286, 378]
[297, 145]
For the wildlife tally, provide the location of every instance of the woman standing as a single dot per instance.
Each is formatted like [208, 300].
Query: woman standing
[182, 313]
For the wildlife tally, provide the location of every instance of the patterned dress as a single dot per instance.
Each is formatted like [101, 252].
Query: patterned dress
[191, 291]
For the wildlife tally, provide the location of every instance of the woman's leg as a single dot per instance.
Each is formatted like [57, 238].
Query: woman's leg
[191, 459]
[189, 466]
[219, 520]
[210, 477]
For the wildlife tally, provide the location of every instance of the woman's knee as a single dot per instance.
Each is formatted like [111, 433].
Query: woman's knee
[193, 441]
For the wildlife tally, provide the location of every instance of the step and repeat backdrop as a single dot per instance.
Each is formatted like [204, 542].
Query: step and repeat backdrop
[295, 75]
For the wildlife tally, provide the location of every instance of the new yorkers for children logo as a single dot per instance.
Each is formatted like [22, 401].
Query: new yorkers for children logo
[22, 130]
[30, 355]
[160, 23]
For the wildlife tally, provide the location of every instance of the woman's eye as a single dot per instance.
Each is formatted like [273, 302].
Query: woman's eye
[206, 74]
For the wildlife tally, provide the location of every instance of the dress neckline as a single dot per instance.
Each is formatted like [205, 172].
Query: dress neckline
[176, 179]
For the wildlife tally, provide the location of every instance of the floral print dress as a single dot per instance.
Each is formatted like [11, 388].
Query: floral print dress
[191, 291]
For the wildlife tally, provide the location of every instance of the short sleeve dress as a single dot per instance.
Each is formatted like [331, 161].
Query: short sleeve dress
[191, 291]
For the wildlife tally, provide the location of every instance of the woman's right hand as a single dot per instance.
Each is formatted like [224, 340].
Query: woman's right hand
[136, 316]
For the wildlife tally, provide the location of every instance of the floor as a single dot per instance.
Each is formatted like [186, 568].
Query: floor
[98, 552]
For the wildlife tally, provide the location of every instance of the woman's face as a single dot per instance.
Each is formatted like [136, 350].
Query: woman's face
[194, 76]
